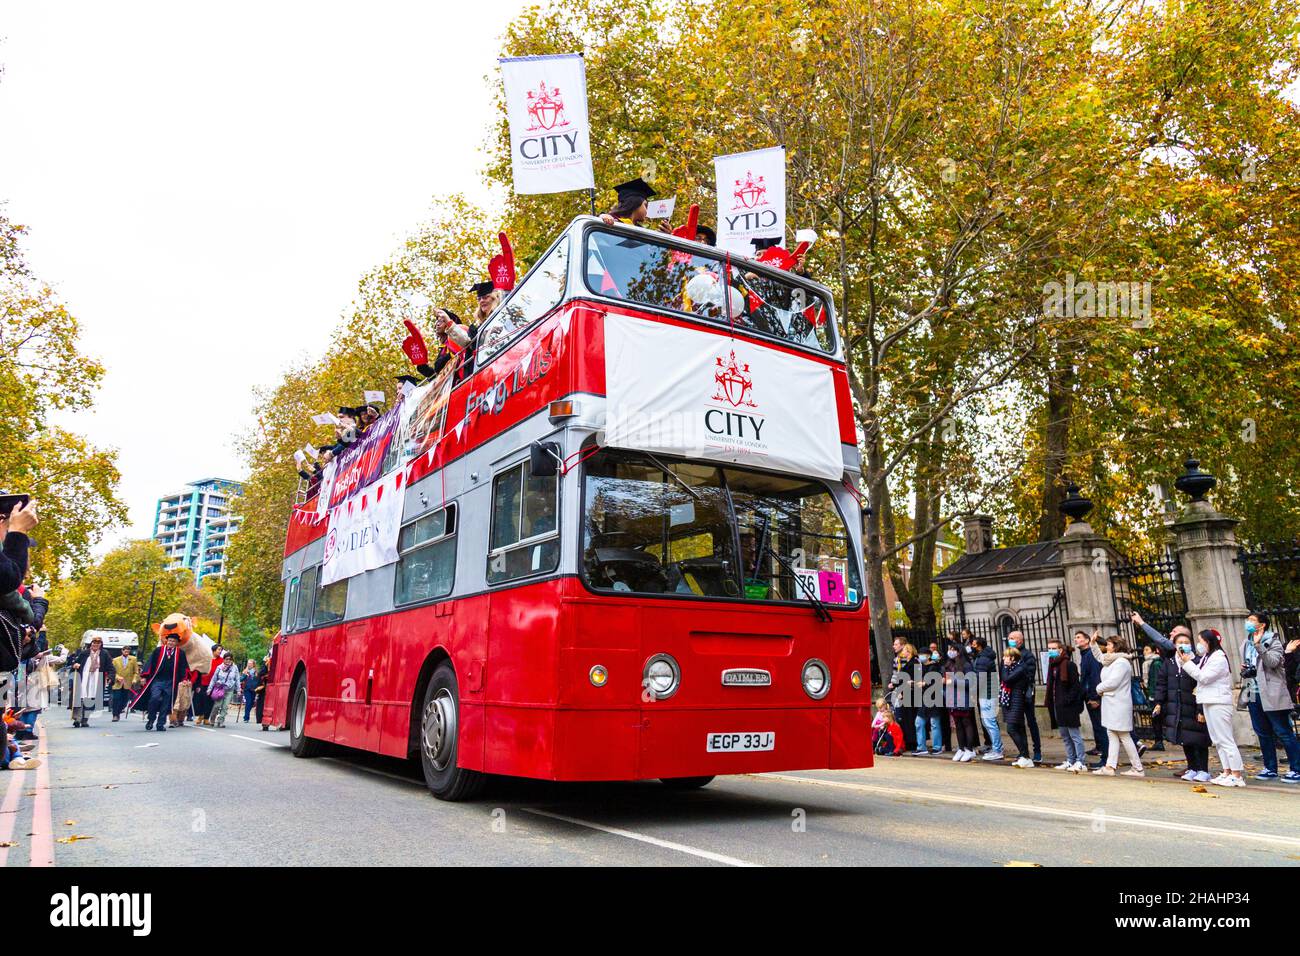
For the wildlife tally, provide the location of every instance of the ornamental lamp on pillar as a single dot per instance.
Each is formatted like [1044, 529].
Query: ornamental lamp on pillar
[1193, 482]
[1075, 506]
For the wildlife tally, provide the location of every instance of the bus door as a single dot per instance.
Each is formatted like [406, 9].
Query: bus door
[361, 670]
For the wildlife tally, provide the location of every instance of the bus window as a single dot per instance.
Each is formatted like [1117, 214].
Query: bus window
[649, 272]
[331, 603]
[542, 290]
[524, 525]
[426, 568]
[651, 532]
[796, 519]
[290, 604]
[306, 591]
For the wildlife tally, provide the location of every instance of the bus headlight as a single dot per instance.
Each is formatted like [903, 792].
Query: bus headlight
[662, 676]
[598, 675]
[816, 679]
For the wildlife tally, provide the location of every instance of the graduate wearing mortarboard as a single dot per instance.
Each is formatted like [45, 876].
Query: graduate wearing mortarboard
[489, 297]
[631, 208]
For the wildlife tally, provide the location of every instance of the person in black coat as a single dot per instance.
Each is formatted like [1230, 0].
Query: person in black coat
[1016, 676]
[166, 669]
[1090, 674]
[1065, 703]
[1182, 718]
[929, 714]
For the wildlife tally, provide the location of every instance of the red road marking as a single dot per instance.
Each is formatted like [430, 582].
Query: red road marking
[42, 813]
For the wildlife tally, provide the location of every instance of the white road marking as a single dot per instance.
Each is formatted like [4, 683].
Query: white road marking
[267, 743]
[143, 746]
[643, 838]
[1089, 815]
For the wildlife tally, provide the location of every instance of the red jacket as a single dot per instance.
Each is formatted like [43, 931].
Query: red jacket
[206, 679]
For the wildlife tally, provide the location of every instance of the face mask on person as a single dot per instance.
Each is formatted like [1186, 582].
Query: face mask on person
[934, 655]
[1184, 648]
[1202, 648]
[952, 655]
[1053, 653]
[1251, 627]
[1013, 643]
[970, 649]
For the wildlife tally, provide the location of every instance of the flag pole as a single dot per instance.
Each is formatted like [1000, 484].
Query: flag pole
[592, 193]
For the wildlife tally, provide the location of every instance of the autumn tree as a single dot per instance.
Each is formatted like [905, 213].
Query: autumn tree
[43, 373]
[435, 266]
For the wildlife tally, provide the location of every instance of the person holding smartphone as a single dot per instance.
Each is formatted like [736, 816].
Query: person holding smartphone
[1213, 676]
[18, 516]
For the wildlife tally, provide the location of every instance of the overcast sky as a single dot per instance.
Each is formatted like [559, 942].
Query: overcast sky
[205, 184]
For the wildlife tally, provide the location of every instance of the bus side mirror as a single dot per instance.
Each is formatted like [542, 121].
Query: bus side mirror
[543, 459]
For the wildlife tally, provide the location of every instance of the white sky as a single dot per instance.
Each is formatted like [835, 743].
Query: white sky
[205, 184]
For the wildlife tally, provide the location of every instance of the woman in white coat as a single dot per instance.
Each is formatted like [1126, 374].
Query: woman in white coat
[1213, 678]
[1116, 691]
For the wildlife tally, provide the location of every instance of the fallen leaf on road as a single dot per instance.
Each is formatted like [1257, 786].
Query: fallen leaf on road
[1199, 789]
[1021, 863]
[29, 793]
[69, 823]
[110, 786]
[73, 839]
[5, 846]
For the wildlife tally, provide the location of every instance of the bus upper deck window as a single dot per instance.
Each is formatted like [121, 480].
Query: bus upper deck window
[542, 290]
[707, 286]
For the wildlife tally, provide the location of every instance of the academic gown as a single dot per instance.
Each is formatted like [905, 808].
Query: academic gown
[173, 673]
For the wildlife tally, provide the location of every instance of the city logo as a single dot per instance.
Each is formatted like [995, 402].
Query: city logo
[733, 381]
[750, 193]
[546, 109]
[331, 542]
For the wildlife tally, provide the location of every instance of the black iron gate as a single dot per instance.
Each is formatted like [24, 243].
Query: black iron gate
[1270, 574]
[1153, 587]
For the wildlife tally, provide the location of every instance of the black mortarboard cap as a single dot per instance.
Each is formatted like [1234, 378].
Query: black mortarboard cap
[408, 379]
[634, 189]
[761, 244]
[480, 289]
[349, 411]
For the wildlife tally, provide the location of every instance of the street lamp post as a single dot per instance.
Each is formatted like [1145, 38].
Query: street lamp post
[148, 617]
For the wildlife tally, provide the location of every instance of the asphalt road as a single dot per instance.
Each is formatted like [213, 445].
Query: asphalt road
[237, 796]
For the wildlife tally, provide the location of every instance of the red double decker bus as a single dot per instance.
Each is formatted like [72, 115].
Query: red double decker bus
[624, 544]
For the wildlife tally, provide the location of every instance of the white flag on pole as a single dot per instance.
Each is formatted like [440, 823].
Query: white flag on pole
[546, 105]
[751, 198]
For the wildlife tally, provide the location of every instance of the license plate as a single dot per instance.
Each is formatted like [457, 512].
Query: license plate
[728, 742]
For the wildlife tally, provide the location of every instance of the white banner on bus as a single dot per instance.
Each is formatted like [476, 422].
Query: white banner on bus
[678, 391]
[546, 106]
[363, 530]
[751, 198]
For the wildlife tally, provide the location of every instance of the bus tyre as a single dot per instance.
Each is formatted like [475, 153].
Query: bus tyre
[439, 727]
[300, 745]
[686, 783]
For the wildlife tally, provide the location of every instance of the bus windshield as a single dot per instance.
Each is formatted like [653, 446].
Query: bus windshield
[650, 273]
[692, 528]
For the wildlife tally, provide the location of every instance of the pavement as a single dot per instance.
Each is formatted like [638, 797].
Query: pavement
[114, 794]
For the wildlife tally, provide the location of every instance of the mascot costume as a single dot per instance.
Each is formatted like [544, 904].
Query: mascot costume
[195, 649]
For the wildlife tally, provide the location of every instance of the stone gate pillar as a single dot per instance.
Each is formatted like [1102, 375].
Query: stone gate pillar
[1206, 544]
[1085, 563]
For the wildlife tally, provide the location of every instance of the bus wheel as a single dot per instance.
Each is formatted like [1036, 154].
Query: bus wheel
[686, 783]
[299, 743]
[439, 725]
